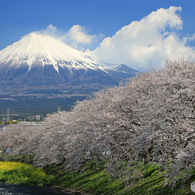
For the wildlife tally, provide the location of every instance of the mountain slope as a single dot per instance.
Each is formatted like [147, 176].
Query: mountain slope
[39, 50]
[40, 66]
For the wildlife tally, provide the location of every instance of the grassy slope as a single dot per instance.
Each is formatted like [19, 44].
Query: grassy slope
[96, 181]
[93, 180]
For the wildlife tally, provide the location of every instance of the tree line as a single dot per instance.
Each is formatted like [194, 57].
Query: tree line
[150, 119]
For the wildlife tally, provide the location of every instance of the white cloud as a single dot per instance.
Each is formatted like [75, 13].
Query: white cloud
[50, 30]
[145, 44]
[78, 35]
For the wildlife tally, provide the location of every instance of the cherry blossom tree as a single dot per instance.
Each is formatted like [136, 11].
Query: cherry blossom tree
[149, 119]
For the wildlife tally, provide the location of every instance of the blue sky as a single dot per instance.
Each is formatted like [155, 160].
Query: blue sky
[95, 19]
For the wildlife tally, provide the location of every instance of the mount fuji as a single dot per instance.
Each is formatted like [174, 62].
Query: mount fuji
[40, 66]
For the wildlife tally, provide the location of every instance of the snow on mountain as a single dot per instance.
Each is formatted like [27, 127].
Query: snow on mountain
[40, 66]
[125, 68]
[37, 49]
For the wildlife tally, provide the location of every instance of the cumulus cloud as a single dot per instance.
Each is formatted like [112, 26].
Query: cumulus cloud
[77, 34]
[145, 44]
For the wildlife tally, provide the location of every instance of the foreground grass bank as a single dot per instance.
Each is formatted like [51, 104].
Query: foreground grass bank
[93, 179]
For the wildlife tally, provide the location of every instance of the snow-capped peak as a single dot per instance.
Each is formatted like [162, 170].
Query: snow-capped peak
[38, 49]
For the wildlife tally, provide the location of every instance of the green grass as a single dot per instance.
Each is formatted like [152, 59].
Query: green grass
[20, 173]
[93, 179]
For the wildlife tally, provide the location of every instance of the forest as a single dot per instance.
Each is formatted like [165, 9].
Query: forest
[149, 119]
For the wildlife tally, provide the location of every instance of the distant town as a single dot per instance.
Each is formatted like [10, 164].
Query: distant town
[28, 120]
